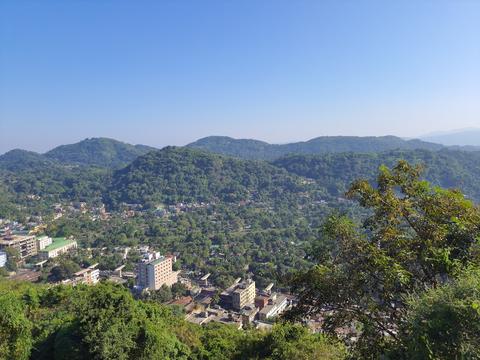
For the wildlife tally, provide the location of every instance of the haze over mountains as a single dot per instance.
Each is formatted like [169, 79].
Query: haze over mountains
[463, 137]
[223, 169]
[106, 152]
[259, 150]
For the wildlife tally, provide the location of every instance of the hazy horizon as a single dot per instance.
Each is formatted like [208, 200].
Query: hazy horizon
[168, 73]
[421, 137]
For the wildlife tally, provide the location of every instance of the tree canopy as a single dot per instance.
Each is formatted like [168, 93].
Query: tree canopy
[418, 237]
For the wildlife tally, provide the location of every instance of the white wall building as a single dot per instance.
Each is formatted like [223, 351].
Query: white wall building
[3, 258]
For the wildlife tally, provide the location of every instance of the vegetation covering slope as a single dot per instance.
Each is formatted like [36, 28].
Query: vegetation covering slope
[104, 322]
[259, 150]
[405, 280]
[20, 160]
[174, 175]
[33, 179]
[101, 152]
[335, 172]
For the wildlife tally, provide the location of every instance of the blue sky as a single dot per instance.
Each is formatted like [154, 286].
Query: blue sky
[169, 72]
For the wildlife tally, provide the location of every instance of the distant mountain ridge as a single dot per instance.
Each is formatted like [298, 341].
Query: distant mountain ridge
[183, 174]
[260, 150]
[466, 137]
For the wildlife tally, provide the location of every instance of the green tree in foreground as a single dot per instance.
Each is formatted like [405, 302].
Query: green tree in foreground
[418, 237]
[15, 336]
[444, 323]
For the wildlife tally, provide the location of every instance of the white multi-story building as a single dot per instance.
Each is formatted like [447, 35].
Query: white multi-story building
[276, 305]
[57, 247]
[43, 242]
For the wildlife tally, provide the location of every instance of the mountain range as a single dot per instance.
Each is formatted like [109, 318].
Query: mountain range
[114, 154]
[259, 150]
[464, 137]
[106, 170]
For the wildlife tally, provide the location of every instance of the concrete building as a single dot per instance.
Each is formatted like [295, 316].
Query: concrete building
[239, 295]
[248, 315]
[88, 276]
[152, 274]
[26, 245]
[43, 242]
[57, 247]
[276, 305]
[3, 258]
[261, 301]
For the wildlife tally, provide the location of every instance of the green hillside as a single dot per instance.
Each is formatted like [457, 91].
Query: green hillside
[20, 160]
[98, 152]
[173, 175]
[446, 168]
[254, 149]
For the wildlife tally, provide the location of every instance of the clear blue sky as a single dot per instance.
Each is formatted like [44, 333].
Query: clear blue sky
[169, 72]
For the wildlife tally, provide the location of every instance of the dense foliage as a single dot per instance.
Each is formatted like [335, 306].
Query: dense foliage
[174, 175]
[335, 172]
[444, 322]
[105, 322]
[35, 187]
[418, 237]
[401, 284]
[259, 150]
[101, 152]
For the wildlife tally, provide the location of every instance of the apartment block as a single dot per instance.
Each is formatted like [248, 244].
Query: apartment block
[239, 294]
[26, 245]
[275, 306]
[153, 273]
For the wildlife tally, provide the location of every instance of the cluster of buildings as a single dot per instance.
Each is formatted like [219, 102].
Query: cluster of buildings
[30, 245]
[242, 304]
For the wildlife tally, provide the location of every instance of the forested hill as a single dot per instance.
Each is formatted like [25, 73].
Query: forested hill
[19, 160]
[254, 149]
[182, 174]
[173, 175]
[101, 152]
[447, 168]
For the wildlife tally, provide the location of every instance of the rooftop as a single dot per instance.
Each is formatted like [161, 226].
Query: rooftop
[58, 243]
[158, 261]
[12, 239]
